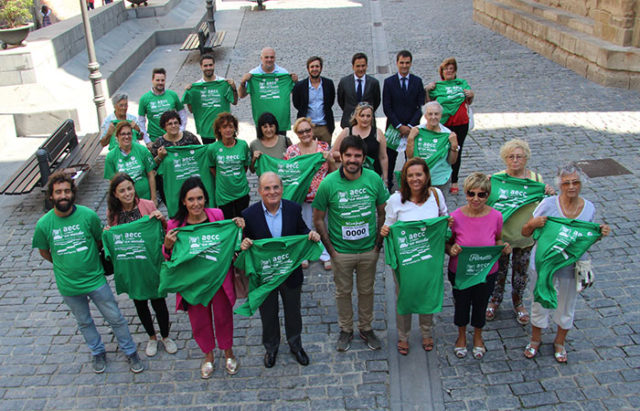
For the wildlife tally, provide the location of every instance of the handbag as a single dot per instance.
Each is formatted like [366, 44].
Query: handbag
[240, 283]
[584, 275]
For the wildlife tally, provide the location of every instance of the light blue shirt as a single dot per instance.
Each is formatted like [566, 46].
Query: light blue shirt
[364, 82]
[274, 221]
[276, 70]
[316, 105]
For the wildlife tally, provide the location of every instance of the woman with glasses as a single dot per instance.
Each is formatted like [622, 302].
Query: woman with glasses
[515, 154]
[474, 225]
[303, 127]
[107, 129]
[568, 204]
[170, 122]
[269, 142]
[363, 126]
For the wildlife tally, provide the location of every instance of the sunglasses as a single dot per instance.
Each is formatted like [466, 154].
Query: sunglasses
[481, 194]
[303, 131]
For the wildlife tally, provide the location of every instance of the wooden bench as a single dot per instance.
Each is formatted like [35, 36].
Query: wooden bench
[60, 151]
[203, 40]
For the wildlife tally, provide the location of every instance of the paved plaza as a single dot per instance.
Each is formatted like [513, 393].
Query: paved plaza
[45, 363]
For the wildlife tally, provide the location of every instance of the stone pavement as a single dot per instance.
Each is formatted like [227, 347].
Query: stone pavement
[564, 117]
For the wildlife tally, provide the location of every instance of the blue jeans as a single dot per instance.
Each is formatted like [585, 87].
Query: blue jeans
[103, 298]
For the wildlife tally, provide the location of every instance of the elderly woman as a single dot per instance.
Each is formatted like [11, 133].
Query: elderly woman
[107, 130]
[219, 311]
[474, 225]
[362, 125]
[228, 160]
[303, 127]
[269, 142]
[416, 200]
[133, 159]
[170, 122]
[421, 138]
[124, 206]
[515, 154]
[567, 204]
[455, 95]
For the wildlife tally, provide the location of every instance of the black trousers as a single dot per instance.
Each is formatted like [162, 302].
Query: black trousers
[234, 208]
[461, 131]
[292, 318]
[392, 155]
[474, 298]
[162, 314]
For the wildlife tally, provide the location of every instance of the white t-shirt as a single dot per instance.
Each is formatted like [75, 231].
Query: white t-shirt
[408, 211]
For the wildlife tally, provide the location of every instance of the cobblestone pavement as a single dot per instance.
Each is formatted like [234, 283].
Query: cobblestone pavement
[45, 363]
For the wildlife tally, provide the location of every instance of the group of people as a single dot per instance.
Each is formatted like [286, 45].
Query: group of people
[345, 204]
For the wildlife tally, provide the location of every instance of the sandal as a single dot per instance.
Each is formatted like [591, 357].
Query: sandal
[427, 344]
[478, 352]
[490, 314]
[403, 347]
[531, 349]
[561, 355]
[460, 352]
[522, 316]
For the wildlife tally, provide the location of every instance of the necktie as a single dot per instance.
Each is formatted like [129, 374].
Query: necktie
[359, 90]
[404, 84]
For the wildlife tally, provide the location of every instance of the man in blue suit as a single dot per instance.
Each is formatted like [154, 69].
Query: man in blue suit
[356, 88]
[402, 98]
[275, 217]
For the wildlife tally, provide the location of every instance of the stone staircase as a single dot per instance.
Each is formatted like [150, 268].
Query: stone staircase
[599, 52]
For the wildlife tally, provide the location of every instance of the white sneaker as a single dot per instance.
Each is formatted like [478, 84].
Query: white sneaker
[169, 345]
[152, 348]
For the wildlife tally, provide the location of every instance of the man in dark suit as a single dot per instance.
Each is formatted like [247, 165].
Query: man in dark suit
[275, 217]
[313, 97]
[357, 87]
[402, 99]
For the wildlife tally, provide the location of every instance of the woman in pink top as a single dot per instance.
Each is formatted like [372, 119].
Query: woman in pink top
[219, 311]
[474, 225]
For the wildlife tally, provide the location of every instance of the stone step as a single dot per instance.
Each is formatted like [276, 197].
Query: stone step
[563, 38]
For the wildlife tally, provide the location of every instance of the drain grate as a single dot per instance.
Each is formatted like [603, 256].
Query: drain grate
[604, 167]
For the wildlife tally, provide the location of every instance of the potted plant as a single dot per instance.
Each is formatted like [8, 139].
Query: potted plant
[14, 20]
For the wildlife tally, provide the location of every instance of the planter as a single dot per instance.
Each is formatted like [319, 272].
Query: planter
[14, 36]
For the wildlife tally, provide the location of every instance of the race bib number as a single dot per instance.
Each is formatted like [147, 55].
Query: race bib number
[356, 232]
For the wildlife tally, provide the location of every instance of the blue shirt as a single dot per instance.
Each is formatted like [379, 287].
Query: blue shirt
[276, 70]
[316, 105]
[274, 222]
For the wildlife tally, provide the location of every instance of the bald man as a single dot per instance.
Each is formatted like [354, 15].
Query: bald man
[267, 65]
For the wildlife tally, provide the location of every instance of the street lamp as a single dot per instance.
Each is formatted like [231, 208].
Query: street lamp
[94, 68]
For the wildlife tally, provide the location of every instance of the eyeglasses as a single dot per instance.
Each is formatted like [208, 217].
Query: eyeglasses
[516, 157]
[125, 134]
[172, 123]
[570, 183]
[479, 194]
[305, 131]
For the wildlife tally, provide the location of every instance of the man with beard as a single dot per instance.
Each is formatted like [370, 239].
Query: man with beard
[208, 97]
[313, 97]
[352, 196]
[69, 236]
[155, 102]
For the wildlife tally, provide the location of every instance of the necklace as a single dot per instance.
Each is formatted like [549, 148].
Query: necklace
[570, 213]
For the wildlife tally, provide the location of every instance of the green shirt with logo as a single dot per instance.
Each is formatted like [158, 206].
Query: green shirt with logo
[433, 147]
[351, 207]
[207, 100]
[72, 241]
[296, 173]
[152, 106]
[270, 93]
[231, 170]
[138, 163]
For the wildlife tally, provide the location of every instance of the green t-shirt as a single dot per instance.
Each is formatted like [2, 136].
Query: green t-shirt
[181, 163]
[72, 241]
[474, 264]
[152, 106]
[138, 163]
[270, 93]
[207, 100]
[560, 243]
[351, 209]
[296, 173]
[393, 137]
[433, 147]
[113, 141]
[415, 252]
[136, 252]
[200, 260]
[269, 262]
[450, 95]
[231, 170]
[508, 193]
